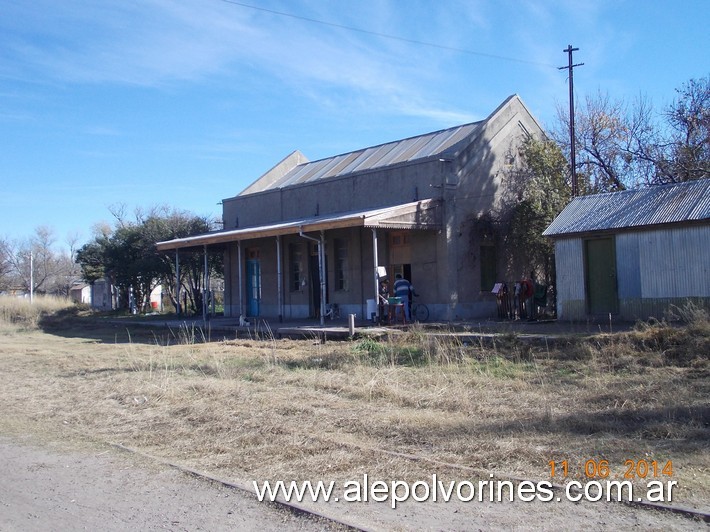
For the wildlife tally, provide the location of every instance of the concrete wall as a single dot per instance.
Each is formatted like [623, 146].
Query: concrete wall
[368, 190]
[81, 294]
[479, 171]
[298, 302]
[445, 269]
[103, 296]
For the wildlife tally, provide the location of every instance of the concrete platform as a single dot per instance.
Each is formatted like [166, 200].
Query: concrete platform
[337, 329]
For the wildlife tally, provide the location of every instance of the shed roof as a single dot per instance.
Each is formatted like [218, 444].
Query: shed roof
[660, 204]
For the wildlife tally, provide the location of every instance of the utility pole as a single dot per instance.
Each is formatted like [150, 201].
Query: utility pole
[32, 278]
[573, 161]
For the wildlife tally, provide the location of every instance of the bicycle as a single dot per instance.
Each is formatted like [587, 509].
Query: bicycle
[419, 311]
[332, 311]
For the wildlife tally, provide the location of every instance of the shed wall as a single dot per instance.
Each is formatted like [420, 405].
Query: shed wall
[569, 263]
[655, 269]
[675, 262]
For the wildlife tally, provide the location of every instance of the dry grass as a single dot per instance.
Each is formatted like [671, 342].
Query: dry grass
[248, 409]
[18, 312]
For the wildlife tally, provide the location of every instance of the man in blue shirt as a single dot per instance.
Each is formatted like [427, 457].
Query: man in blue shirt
[404, 290]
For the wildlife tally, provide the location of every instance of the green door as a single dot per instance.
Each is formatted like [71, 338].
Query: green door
[602, 297]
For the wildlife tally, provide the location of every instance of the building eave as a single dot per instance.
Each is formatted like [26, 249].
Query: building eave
[421, 215]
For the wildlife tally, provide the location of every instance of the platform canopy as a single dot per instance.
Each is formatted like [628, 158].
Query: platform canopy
[420, 215]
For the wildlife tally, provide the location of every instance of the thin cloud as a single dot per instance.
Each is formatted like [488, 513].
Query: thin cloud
[146, 43]
[160, 42]
[103, 131]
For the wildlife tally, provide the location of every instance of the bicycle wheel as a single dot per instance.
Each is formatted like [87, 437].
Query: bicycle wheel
[421, 312]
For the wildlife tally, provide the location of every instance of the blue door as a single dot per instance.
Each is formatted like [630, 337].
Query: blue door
[253, 287]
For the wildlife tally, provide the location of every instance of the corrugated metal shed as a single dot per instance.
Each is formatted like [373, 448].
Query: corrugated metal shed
[438, 143]
[662, 204]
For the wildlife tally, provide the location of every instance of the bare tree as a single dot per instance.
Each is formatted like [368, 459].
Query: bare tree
[34, 264]
[622, 147]
[5, 265]
[118, 211]
[602, 133]
[689, 143]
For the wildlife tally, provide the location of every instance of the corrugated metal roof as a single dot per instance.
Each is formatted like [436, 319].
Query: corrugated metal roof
[400, 151]
[661, 204]
[422, 214]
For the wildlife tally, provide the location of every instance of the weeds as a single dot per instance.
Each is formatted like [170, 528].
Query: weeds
[19, 312]
[262, 407]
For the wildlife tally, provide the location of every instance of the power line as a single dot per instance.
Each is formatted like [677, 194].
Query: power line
[386, 36]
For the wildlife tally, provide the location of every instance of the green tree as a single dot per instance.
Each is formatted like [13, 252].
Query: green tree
[180, 224]
[134, 264]
[91, 259]
[539, 192]
[128, 257]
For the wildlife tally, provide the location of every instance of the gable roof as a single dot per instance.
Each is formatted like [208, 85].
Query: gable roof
[661, 204]
[438, 143]
[445, 143]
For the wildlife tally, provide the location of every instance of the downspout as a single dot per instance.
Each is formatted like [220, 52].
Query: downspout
[239, 277]
[323, 280]
[204, 289]
[279, 279]
[321, 268]
[377, 281]
[177, 282]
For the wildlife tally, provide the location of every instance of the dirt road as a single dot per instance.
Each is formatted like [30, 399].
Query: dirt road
[52, 489]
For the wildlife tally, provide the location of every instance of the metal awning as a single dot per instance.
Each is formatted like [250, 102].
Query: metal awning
[422, 215]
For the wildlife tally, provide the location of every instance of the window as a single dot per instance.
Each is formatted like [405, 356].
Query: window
[296, 267]
[341, 264]
[399, 239]
[400, 248]
[488, 267]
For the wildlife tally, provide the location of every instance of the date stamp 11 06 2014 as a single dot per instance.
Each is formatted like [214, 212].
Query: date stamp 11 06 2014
[592, 468]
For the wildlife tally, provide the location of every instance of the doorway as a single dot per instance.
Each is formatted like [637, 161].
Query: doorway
[600, 262]
[314, 275]
[253, 267]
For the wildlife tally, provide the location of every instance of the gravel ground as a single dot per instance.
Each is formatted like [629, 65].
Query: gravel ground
[52, 489]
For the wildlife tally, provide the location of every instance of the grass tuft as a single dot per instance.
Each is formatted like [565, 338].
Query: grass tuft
[19, 313]
[270, 408]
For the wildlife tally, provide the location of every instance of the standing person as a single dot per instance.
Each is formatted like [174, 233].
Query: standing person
[384, 295]
[404, 289]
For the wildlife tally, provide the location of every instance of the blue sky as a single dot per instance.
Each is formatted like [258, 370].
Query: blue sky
[186, 102]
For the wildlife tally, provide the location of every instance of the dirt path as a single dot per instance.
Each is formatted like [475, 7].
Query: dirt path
[52, 489]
